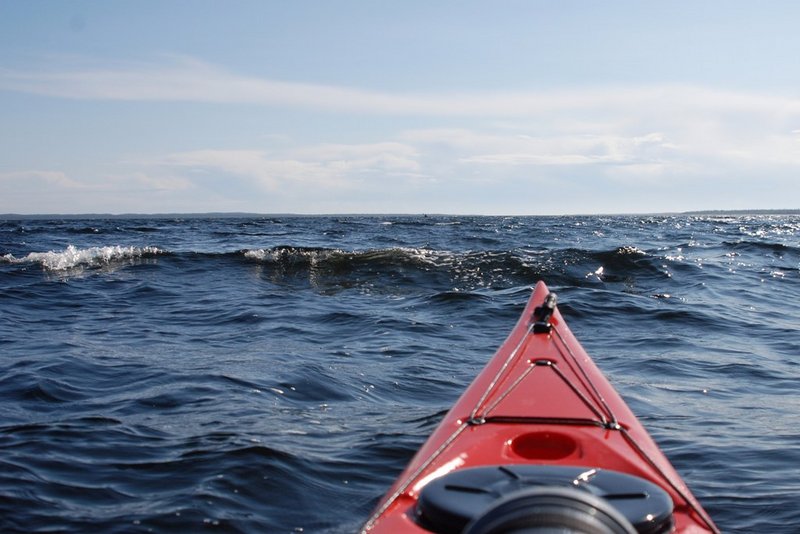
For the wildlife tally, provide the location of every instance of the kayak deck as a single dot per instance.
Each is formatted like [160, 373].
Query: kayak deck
[540, 401]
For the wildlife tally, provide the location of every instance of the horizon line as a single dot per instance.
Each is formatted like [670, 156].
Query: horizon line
[236, 214]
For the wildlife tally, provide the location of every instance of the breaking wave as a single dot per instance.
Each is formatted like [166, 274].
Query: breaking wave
[73, 257]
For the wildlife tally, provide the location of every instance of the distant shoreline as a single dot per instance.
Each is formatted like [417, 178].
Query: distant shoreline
[238, 215]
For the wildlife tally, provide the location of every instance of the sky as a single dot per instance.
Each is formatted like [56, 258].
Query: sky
[416, 106]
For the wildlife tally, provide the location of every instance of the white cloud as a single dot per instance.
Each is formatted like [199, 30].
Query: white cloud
[186, 79]
[511, 149]
[179, 78]
[36, 180]
[332, 166]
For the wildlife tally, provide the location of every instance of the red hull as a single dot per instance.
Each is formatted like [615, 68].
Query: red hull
[540, 401]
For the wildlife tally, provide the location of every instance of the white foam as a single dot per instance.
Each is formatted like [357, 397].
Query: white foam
[288, 253]
[73, 257]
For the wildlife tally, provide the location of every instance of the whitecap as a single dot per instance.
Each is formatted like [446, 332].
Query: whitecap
[73, 256]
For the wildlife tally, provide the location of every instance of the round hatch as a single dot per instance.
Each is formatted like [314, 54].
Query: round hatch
[449, 503]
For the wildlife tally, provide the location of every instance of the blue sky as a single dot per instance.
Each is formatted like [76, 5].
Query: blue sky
[502, 107]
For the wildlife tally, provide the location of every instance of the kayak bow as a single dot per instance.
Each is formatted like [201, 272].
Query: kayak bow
[540, 440]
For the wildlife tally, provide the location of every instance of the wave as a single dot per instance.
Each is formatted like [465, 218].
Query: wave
[73, 257]
[397, 266]
[760, 247]
[409, 267]
[467, 269]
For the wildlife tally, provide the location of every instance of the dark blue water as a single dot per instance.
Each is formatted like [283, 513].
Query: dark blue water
[275, 374]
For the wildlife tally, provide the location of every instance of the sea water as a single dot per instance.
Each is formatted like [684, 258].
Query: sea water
[275, 374]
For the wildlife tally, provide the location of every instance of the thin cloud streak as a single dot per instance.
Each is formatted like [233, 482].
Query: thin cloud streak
[329, 166]
[34, 180]
[182, 79]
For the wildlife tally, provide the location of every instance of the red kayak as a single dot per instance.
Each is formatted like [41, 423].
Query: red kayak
[540, 442]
